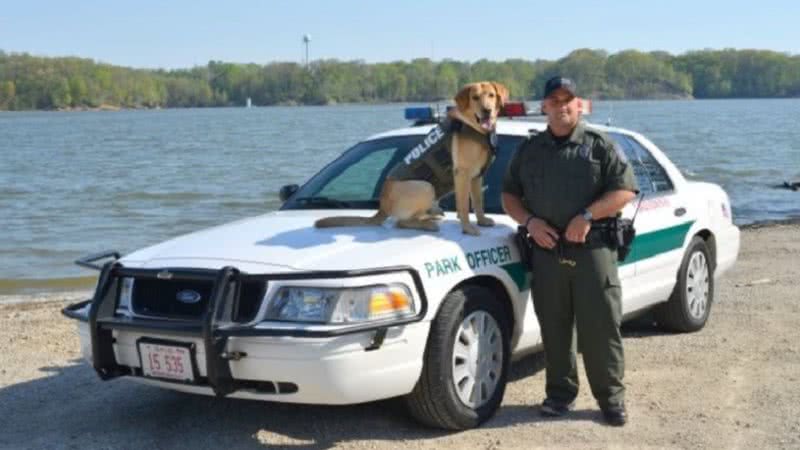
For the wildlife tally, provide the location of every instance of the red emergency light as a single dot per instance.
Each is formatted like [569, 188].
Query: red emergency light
[514, 109]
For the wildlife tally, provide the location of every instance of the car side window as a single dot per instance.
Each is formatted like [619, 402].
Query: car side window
[658, 176]
[359, 181]
[650, 175]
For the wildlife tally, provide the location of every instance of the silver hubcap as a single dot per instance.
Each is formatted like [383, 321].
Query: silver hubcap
[477, 358]
[697, 284]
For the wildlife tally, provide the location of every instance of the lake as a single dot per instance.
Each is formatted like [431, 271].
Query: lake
[77, 183]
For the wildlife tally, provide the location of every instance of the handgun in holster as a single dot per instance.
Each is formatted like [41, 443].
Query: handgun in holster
[525, 246]
[617, 233]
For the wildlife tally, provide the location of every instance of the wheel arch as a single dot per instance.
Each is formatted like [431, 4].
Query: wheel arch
[500, 292]
[711, 245]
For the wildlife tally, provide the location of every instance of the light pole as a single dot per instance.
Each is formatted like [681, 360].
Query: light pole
[306, 40]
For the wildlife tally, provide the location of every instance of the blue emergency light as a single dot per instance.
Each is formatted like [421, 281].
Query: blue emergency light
[419, 113]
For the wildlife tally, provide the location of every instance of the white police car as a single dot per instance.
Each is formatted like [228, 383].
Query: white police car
[272, 308]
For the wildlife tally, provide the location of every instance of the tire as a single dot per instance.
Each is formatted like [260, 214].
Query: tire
[689, 305]
[442, 397]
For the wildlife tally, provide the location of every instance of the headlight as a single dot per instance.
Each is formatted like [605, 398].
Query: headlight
[341, 305]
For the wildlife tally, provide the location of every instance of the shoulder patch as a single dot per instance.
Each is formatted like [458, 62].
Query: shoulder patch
[598, 135]
[602, 144]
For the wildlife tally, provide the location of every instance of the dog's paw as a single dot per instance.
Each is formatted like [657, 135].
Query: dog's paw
[485, 222]
[431, 226]
[470, 229]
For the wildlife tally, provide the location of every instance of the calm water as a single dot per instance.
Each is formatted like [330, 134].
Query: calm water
[75, 183]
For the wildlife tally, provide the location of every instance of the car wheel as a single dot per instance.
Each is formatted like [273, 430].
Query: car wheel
[466, 362]
[690, 303]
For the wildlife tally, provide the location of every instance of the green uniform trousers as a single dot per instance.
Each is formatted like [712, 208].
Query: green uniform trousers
[577, 288]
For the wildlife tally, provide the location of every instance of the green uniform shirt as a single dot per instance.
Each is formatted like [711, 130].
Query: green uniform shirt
[557, 181]
[431, 159]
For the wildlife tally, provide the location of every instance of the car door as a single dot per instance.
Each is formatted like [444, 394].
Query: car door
[661, 226]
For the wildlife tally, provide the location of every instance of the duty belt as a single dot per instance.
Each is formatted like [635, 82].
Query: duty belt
[595, 238]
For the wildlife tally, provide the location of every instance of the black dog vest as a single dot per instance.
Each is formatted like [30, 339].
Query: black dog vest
[431, 159]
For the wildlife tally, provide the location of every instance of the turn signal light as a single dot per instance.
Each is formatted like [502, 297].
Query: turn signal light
[390, 301]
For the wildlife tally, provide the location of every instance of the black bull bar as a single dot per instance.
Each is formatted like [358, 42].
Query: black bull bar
[214, 327]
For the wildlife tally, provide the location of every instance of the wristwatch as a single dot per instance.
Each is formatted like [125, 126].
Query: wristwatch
[587, 215]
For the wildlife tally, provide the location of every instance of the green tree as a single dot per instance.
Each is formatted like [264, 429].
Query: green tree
[8, 93]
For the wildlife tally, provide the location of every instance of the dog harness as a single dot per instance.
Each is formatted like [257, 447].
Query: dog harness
[431, 160]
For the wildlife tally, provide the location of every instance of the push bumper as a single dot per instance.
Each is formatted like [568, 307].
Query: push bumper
[333, 365]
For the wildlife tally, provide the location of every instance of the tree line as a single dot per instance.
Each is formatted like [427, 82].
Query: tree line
[29, 82]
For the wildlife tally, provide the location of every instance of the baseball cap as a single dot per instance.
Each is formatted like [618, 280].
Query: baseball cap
[559, 82]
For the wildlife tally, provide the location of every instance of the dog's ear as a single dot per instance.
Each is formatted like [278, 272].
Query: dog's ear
[502, 93]
[462, 98]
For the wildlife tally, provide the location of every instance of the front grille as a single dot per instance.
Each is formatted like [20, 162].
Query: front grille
[153, 297]
[162, 298]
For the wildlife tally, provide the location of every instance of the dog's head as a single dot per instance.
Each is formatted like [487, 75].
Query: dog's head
[482, 102]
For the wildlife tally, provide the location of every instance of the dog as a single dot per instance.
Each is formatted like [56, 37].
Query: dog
[411, 197]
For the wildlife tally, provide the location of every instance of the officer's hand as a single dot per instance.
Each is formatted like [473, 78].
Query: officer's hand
[543, 234]
[577, 229]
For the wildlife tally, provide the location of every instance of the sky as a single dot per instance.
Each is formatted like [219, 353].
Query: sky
[185, 33]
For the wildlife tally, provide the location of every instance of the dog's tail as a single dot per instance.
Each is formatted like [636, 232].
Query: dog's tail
[351, 221]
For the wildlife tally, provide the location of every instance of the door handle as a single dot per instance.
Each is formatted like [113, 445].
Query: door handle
[680, 211]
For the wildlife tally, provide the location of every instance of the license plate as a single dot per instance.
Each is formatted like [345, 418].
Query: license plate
[172, 362]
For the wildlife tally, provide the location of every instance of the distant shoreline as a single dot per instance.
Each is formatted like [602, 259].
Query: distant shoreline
[53, 83]
[111, 108]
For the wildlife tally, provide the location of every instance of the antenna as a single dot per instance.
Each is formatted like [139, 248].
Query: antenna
[608, 121]
[641, 199]
[306, 40]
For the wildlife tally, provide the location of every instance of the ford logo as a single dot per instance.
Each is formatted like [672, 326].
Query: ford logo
[188, 296]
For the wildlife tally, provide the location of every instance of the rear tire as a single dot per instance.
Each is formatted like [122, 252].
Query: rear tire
[689, 305]
[466, 362]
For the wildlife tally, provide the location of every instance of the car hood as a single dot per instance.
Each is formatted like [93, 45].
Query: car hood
[288, 241]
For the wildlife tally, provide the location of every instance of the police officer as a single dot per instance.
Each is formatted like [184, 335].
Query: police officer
[558, 184]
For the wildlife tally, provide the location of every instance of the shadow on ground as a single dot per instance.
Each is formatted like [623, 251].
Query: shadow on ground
[69, 407]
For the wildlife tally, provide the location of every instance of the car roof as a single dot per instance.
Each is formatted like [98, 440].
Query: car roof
[513, 127]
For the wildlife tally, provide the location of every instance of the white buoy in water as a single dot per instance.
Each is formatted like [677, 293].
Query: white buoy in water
[249, 102]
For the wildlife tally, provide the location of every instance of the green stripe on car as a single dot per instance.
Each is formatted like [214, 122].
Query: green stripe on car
[519, 273]
[647, 245]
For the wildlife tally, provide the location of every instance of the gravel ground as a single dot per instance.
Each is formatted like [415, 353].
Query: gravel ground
[735, 384]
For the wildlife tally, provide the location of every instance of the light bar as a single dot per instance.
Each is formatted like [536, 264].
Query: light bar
[419, 113]
[514, 109]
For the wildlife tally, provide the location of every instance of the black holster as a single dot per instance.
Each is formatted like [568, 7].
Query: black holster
[618, 233]
[525, 246]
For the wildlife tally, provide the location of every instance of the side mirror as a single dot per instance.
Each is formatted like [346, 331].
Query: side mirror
[287, 191]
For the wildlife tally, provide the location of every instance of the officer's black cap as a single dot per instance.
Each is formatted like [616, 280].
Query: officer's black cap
[559, 82]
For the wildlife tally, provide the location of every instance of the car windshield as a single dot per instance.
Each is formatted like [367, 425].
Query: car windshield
[354, 180]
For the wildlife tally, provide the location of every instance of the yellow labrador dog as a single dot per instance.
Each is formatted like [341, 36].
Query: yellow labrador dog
[452, 158]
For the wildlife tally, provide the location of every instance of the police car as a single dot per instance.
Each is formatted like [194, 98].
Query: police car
[272, 308]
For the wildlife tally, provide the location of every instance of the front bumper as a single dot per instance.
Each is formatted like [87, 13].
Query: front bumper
[333, 370]
[303, 364]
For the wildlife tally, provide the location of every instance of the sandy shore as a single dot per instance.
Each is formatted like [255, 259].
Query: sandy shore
[735, 384]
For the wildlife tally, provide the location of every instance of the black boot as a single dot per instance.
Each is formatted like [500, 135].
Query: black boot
[615, 415]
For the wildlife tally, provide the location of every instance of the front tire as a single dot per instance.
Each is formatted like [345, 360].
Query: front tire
[690, 303]
[466, 362]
